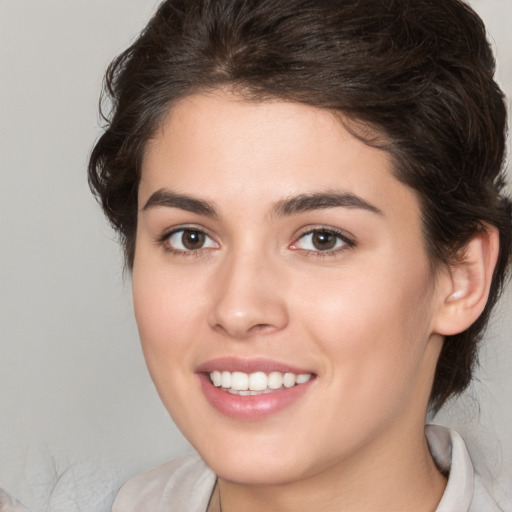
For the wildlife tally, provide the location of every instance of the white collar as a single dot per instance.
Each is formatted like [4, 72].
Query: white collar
[451, 455]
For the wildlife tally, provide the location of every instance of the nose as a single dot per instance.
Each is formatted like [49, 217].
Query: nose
[248, 298]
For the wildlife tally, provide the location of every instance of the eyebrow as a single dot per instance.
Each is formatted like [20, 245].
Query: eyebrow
[165, 197]
[322, 200]
[297, 204]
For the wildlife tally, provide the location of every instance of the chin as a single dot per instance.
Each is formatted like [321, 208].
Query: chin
[272, 471]
[255, 459]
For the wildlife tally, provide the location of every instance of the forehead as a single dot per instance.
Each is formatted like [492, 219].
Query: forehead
[226, 149]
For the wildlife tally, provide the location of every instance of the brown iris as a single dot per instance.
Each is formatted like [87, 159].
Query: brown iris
[324, 240]
[192, 240]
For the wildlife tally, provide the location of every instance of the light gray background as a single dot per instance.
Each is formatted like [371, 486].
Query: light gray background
[78, 413]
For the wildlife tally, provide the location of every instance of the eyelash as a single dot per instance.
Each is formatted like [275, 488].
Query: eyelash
[347, 243]
[164, 241]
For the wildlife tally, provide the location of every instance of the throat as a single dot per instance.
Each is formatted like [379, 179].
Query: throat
[214, 505]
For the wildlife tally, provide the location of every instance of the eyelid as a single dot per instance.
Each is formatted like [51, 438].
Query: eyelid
[163, 239]
[346, 238]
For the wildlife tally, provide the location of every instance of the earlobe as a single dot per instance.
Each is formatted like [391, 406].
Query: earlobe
[467, 283]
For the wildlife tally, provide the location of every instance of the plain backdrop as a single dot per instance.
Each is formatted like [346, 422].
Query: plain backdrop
[78, 412]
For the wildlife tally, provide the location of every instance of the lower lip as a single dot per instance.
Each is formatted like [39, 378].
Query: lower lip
[251, 407]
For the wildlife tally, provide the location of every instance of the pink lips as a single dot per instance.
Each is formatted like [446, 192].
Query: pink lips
[252, 407]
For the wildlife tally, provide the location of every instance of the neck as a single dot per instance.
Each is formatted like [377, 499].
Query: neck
[396, 474]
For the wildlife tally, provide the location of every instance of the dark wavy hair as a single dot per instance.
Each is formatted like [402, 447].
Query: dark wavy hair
[419, 73]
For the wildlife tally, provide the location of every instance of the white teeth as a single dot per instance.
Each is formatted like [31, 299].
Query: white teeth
[258, 382]
[216, 377]
[303, 378]
[239, 381]
[226, 380]
[275, 380]
[289, 380]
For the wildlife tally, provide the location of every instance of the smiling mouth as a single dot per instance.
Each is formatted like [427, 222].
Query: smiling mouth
[256, 383]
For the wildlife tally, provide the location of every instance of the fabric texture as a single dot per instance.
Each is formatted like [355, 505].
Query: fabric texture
[186, 484]
[9, 504]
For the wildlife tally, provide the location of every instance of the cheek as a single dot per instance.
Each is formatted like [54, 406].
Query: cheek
[167, 320]
[373, 326]
[167, 308]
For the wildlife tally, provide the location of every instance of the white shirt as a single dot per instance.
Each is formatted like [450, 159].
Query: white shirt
[186, 484]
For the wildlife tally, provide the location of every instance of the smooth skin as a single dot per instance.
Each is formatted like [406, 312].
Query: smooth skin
[344, 291]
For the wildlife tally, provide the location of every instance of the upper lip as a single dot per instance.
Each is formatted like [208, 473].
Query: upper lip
[234, 364]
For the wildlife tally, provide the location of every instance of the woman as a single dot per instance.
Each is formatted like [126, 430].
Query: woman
[310, 199]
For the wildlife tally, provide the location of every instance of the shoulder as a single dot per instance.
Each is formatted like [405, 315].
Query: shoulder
[465, 491]
[185, 483]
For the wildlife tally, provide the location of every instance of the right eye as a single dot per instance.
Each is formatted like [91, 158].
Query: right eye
[189, 240]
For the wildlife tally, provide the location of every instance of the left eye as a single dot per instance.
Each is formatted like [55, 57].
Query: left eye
[322, 240]
[190, 240]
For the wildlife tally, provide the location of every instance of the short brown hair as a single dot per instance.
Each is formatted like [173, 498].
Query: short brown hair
[419, 73]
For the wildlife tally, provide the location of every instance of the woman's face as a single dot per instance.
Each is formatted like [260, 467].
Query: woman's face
[275, 250]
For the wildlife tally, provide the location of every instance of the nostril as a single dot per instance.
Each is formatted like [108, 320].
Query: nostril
[262, 329]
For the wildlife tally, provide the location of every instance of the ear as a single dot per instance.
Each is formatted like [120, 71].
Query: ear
[464, 288]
